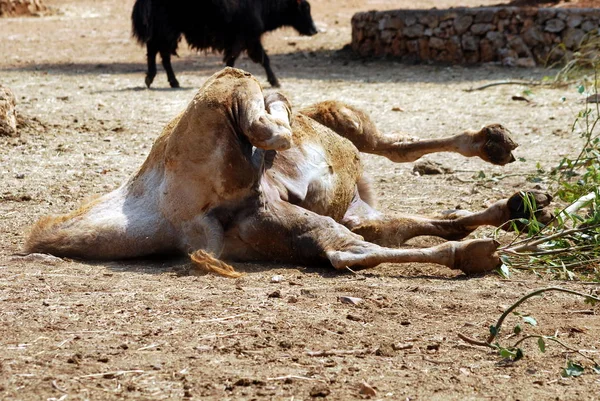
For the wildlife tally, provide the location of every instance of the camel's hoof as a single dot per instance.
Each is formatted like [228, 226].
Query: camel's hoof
[520, 209]
[497, 144]
[476, 256]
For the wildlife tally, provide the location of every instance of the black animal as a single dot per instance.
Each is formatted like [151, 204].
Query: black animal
[228, 26]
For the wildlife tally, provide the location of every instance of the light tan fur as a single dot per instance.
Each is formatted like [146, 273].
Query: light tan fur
[238, 176]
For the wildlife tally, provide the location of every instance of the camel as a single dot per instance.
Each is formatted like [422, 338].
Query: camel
[238, 176]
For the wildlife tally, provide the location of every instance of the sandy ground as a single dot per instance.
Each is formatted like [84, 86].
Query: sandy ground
[149, 329]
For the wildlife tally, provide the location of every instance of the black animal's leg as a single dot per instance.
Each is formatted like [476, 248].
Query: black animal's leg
[258, 55]
[152, 51]
[232, 53]
[165, 55]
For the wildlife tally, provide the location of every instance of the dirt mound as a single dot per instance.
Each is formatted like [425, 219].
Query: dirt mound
[15, 8]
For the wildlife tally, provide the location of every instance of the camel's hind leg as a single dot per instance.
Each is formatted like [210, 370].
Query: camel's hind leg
[287, 233]
[492, 143]
[392, 231]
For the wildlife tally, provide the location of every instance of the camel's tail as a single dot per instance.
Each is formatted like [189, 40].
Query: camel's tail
[208, 263]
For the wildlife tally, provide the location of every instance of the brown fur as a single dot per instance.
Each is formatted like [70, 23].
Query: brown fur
[239, 176]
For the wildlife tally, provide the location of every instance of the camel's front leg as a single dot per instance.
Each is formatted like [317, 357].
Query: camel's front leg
[287, 233]
[474, 256]
[492, 143]
[395, 230]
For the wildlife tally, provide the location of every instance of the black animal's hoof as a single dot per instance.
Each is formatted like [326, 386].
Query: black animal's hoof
[148, 81]
[275, 83]
[174, 84]
[497, 145]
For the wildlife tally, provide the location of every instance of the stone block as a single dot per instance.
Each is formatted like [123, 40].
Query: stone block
[469, 43]
[573, 21]
[424, 49]
[462, 24]
[482, 29]
[589, 25]
[533, 36]
[518, 45]
[437, 43]
[486, 51]
[572, 37]
[413, 31]
[497, 39]
[485, 15]
[554, 25]
[430, 20]
[544, 14]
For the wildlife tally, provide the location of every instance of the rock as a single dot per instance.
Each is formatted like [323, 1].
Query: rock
[39, 257]
[573, 21]
[386, 350]
[554, 25]
[275, 294]
[391, 23]
[588, 26]
[429, 20]
[367, 390]
[496, 38]
[481, 29]
[437, 43]
[469, 43]
[413, 31]
[402, 346]
[572, 38]
[533, 36]
[8, 115]
[519, 46]
[462, 24]
[527, 62]
[354, 318]
[320, 390]
[486, 51]
[350, 300]
[277, 279]
[428, 167]
[485, 15]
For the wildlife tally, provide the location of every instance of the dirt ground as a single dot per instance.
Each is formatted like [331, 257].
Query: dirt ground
[152, 329]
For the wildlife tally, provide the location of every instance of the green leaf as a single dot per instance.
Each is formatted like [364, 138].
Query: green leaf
[530, 320]
[522, 159]
[517, 329]
[580, 88]
[542, 344]
[591, 301]
[493, 330]
[506, 353]
[504, 271]
[596, 369]
[573, 369]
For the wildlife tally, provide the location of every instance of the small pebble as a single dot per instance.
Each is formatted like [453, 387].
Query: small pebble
[350, 300]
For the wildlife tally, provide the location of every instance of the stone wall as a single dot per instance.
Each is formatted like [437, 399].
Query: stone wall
[511, 35]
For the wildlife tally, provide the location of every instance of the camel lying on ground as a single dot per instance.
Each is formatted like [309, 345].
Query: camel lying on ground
[238, 176]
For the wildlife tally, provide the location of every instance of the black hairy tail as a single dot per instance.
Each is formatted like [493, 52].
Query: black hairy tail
[141, 20]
